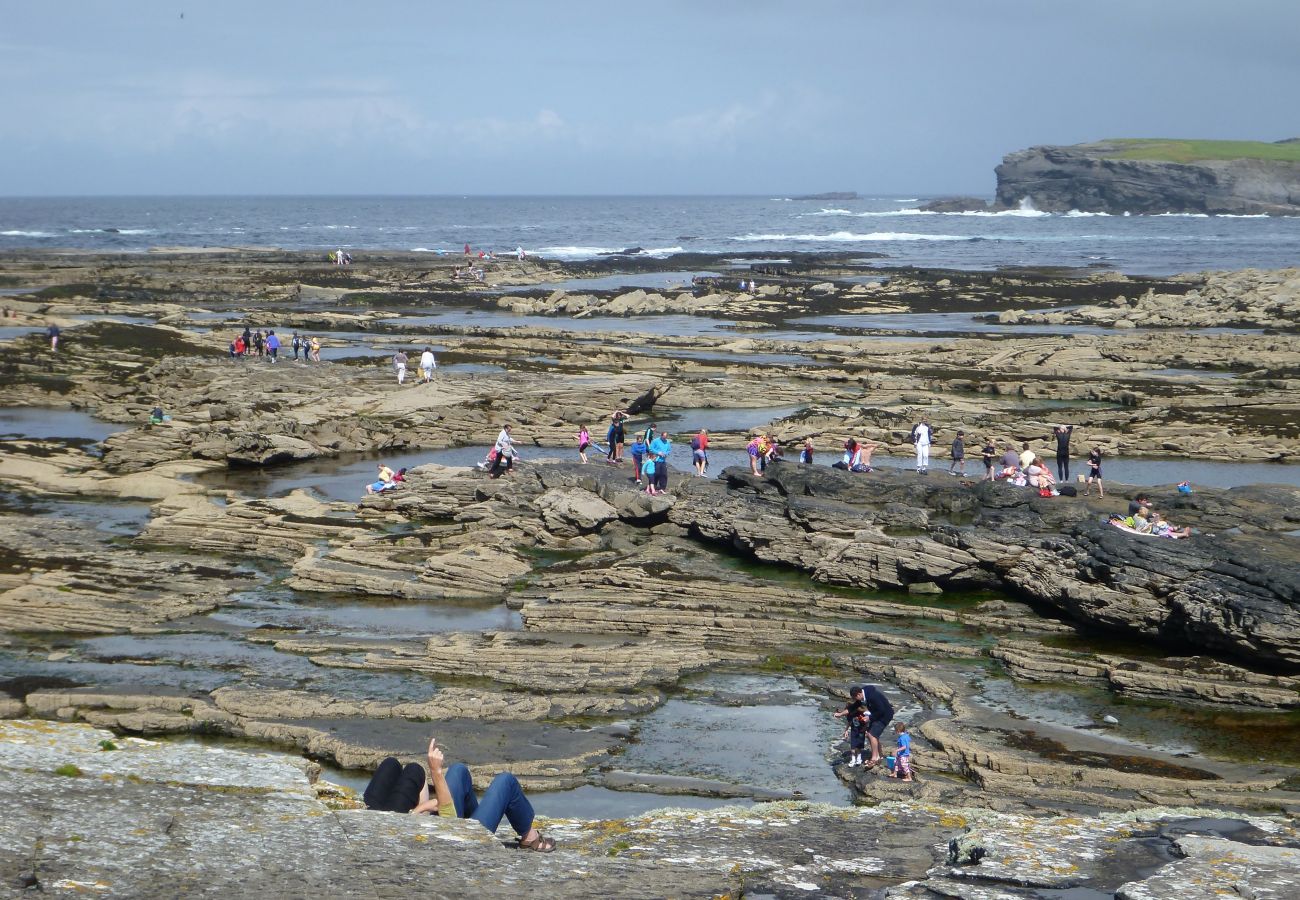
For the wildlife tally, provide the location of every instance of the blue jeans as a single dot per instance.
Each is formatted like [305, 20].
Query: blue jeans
[504, 797]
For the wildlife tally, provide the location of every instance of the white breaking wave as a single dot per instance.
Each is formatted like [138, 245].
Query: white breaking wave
[574, 252]
[17, 233]
[424, 250]
[111, 231]
[970, 213]
[1080, 214]
[664, 251]
[851, 237]
[1181, 215]
[1242, 216]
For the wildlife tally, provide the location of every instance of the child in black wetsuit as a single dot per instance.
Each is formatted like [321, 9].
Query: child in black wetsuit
[990, 453]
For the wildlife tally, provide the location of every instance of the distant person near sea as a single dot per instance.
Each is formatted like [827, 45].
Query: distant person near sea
[427, 365]
[273, 346]
[297, 345]
[399, 363]
[53, 333]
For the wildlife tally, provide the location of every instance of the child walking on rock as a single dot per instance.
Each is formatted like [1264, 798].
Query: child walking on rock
[902, 753]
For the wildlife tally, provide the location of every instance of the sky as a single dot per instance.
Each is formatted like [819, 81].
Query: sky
[577, 97]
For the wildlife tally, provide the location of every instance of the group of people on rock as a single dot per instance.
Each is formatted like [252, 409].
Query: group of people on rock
[267, 346]
[1143, 519]
[867, 714]
[427, 365]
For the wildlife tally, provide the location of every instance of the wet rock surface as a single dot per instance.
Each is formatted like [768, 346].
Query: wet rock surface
[223, 575]
[197, 814]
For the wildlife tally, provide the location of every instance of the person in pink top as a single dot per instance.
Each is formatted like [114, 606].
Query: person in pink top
[584, 441]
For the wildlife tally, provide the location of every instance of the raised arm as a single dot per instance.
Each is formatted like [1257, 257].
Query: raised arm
[442, 794]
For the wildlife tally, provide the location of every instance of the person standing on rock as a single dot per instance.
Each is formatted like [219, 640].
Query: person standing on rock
[53, 333]
[1094, 472]
[273, 346]
[297, 345]
[427, 365]
[399, 363]
[806, 453]
[990, 454]
[660, 449]
[881, 712]
[584, 441]
[700, 452]
[922, 434]
[315, 349]
[259, 343]
[1062, 433]
[958, 464]
[617, 437]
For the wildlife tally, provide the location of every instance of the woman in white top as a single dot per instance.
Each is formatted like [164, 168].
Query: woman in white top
[427, 365]
[505, 450]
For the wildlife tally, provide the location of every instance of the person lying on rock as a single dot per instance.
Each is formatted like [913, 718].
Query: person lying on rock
[395, 788]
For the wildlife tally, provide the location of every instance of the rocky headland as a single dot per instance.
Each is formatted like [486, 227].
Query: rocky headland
[1078, 697]
[1150, 177]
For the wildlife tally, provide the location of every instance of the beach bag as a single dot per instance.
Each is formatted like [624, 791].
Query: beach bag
[1068, 490]
[1045, 492]
[1185, 487]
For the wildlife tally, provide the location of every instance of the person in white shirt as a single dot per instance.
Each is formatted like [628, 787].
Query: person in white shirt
[427, 365]
[505, 453]
[922, 434]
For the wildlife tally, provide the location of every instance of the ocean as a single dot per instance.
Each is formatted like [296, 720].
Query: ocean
[573, 228]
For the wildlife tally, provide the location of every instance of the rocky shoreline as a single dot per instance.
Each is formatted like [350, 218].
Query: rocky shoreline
[244, 604]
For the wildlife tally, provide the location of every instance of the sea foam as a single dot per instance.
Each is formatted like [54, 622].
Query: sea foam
[852, 237]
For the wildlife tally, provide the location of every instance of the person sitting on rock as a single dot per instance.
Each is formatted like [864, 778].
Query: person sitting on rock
[862, 456]
[1141, 520]
[1039, 475]
[395, 788]
[384, 478]
[1161, 528]
[850, 455]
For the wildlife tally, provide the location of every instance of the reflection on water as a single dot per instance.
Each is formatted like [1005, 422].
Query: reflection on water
[44, 422]
[764, 731]
[1272, 737]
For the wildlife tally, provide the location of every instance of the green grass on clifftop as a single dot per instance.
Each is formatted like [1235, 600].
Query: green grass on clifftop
[1179, 151]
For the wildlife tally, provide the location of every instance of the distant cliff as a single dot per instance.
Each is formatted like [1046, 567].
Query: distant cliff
[1156, 176]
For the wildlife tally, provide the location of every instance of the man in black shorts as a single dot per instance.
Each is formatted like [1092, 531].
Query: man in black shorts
[881, 712]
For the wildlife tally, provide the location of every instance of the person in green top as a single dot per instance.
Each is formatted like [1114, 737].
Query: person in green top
[398, 788]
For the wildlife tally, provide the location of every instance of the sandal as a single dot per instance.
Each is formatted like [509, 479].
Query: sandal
[541, 844]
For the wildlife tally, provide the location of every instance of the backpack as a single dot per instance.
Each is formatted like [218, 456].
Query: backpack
[695, 442]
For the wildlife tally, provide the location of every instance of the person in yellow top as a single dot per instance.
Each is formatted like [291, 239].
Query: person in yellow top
[395, 788]
[385, 478]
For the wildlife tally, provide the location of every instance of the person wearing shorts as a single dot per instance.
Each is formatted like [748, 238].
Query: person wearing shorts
[881, 712]
[1094, 472]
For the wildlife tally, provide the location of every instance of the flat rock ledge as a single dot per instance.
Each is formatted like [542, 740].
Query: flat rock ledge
[93, 814]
